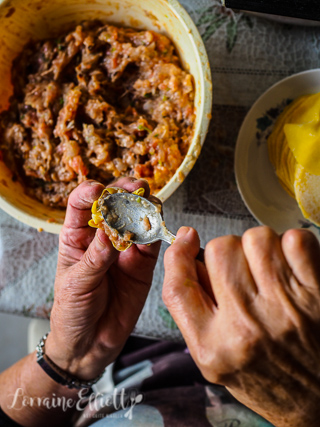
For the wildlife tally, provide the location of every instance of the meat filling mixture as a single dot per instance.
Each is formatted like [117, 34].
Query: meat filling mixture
[98, 103]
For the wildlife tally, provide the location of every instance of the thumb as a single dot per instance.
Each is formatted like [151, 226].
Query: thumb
[184, 296]
[95, 262]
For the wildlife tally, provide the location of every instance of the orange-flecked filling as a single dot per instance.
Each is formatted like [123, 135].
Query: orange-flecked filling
[97, 221]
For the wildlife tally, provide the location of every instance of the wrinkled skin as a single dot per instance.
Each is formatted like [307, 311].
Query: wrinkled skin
[99, 292]
[251, 318]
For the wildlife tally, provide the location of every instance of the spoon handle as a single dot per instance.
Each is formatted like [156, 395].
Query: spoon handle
[167, 236]
[200, 256]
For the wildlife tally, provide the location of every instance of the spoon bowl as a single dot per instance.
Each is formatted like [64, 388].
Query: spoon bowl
[135, 217]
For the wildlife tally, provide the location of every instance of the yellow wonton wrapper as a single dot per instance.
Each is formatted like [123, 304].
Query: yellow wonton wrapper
[294, 151]
[279, 152]
[303, 134]
[97, 220]
[307, 189]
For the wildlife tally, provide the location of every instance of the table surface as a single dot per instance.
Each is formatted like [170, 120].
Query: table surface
[247, 55]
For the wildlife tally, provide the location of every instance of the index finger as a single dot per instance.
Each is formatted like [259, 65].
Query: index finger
[81, 199]
[131, 185]
[80, 203]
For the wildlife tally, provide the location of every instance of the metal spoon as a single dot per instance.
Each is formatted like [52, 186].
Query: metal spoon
[129, 213]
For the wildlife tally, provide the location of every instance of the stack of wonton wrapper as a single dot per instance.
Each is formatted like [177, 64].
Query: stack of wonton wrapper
[294, 151]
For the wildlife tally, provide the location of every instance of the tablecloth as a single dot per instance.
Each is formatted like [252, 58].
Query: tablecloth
[247, 55]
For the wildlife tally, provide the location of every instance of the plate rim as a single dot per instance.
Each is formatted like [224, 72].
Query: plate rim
[244, 126]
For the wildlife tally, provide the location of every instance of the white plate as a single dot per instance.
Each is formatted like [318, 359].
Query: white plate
[259, 187]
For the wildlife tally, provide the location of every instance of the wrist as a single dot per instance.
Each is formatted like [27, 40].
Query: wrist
[84, 367]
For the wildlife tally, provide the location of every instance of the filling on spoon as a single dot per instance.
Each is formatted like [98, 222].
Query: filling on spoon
[121, 243]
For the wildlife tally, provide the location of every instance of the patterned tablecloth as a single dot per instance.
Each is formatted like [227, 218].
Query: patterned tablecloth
[247, 54]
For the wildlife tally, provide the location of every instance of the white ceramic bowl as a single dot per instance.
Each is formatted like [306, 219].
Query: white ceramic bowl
[257, 182]
[22, 20]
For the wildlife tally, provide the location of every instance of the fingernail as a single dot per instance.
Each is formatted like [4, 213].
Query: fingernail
[183, 231]
[92, 182]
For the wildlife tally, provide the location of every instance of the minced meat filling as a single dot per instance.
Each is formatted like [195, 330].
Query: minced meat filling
[99, 103]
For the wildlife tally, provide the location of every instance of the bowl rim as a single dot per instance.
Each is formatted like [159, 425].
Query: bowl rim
[199, 133]
[205, 109]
